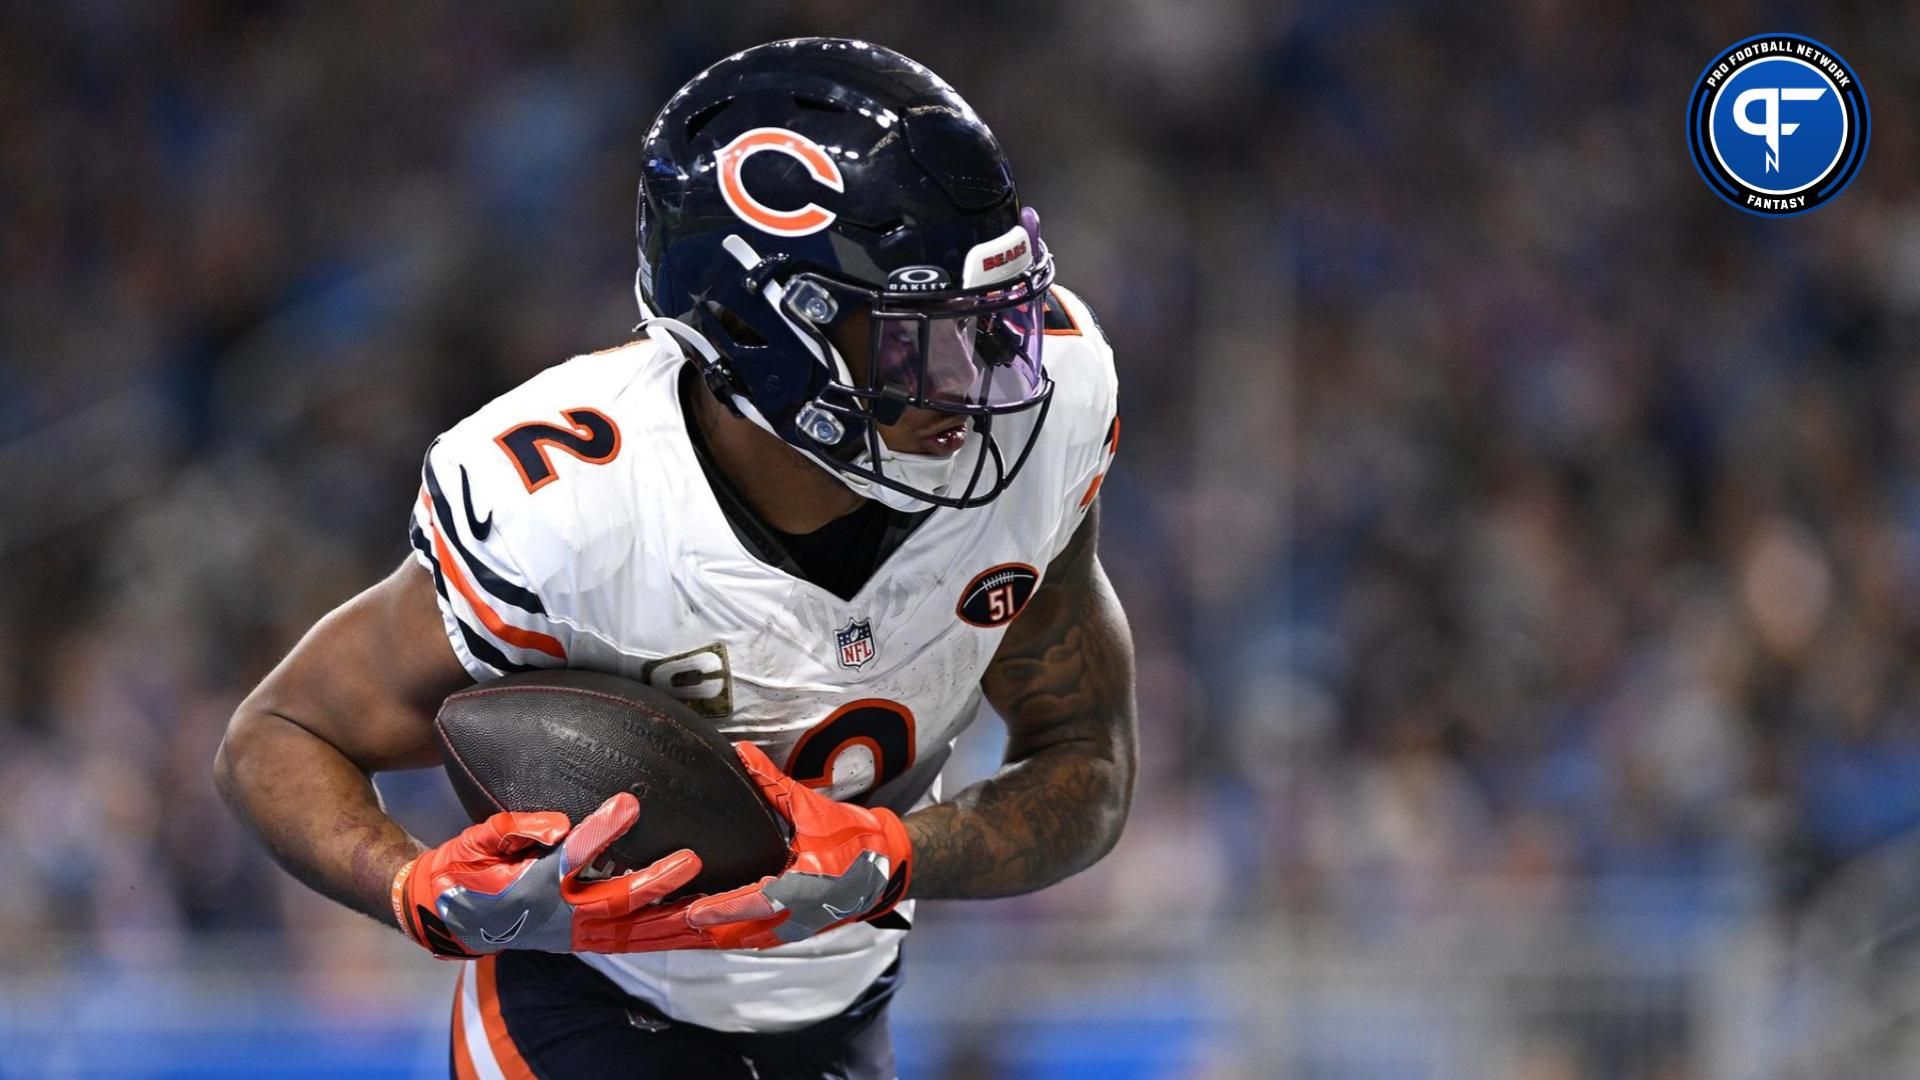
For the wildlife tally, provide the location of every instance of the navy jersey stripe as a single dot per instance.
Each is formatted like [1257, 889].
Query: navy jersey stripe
[488, 581]
[1055, 317]
[482, 649]
[418, 538]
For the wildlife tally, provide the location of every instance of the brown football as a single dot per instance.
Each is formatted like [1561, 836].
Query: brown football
[570, 740]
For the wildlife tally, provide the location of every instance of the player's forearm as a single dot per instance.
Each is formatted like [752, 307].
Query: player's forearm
[316, 812]
[1034, 823]
[1063, 682]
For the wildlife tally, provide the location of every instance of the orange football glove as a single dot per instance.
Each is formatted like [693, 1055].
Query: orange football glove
[503, 884]
[848, 863]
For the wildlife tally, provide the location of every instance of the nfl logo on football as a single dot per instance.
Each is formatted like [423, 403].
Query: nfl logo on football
[856, 643]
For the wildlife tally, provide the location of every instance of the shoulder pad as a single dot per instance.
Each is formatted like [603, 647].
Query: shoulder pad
[498, 523]
[1085, 414]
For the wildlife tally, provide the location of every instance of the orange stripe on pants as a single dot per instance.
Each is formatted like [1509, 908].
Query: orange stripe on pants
[462, 1060]
[507, 1055]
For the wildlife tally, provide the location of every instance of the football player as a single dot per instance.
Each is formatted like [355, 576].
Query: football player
[838, 496]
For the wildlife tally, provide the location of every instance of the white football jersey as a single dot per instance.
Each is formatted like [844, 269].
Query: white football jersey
[568, 523]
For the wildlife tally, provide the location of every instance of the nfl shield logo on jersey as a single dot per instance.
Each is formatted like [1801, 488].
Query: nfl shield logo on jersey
[856, 643]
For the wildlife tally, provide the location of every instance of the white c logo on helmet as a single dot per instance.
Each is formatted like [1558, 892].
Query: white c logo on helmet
[810, 218]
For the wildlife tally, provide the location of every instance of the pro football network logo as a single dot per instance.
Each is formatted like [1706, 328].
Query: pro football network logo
[855, 642]
[1778, 124]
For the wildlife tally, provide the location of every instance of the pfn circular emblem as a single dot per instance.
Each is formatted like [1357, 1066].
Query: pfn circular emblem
[1778, 124]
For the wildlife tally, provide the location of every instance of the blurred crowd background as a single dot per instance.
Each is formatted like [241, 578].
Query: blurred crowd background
[1521, 544]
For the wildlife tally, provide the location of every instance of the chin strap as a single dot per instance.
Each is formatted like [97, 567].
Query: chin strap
[713, 371]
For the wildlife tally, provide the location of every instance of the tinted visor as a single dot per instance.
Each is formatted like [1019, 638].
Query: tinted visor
[988, 359]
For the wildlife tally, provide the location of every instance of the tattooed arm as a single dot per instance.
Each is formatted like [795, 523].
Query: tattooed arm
[1063, 681]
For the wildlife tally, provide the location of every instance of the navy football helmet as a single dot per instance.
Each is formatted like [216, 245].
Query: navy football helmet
[818, 189]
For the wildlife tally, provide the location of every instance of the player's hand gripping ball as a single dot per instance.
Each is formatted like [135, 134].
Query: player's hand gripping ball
[487, 889]
[532, 753]
[848, 863]
[514, 882]
[570, 740]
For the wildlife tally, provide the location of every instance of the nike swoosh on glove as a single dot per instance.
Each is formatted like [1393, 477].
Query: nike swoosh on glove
[511, 882]
[847, 863]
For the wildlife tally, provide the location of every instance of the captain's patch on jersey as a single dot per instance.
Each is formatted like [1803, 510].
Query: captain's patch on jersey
[699, 677]
[996, 595]
[856, 643]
